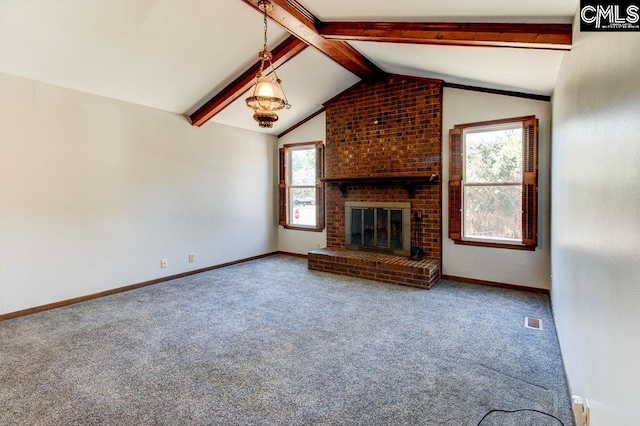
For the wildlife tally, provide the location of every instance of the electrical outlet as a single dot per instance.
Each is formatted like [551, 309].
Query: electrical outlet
[192, 257]
[164, 263]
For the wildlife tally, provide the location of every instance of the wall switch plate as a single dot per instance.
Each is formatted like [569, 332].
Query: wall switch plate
[192, 257]
[164, 263]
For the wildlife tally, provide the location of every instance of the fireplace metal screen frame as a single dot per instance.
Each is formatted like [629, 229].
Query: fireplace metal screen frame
[406, 226]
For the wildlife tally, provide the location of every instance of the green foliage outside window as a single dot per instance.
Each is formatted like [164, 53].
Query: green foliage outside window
[493, 184]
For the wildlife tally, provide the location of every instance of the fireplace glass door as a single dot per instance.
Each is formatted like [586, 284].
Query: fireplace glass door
[377, 227]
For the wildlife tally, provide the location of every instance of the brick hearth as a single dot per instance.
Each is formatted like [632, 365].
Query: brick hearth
[374, 266]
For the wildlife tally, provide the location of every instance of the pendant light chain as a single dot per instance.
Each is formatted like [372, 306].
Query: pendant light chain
[273, 69]
[264, 45]
[264, 19]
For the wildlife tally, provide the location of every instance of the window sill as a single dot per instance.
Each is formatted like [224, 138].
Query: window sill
[495, 245]
[303, 228]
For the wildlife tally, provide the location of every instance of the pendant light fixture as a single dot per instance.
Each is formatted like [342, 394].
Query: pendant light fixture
[267, 95]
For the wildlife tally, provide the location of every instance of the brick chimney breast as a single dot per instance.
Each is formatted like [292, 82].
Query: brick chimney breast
[390, 128]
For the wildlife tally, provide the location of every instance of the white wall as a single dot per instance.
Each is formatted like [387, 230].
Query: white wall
[518, 267]
[296, 241]
[596, 222]
[94, 192]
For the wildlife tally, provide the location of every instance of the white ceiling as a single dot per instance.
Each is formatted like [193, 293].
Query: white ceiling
[168, 54]
[175, 54]
[524, 70]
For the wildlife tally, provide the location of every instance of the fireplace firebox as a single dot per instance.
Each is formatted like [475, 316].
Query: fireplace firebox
[380, 227]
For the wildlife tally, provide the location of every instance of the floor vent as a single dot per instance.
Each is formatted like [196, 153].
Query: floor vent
[532, 322]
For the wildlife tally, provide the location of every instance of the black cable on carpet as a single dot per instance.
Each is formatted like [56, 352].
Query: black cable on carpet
[517, 411]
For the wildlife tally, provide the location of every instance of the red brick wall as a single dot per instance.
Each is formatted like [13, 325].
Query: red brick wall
[388, 128]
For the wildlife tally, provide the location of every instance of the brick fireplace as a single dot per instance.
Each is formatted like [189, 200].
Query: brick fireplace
[383, 144]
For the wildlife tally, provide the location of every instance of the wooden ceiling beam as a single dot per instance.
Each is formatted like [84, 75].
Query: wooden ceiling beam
[301, 23]
[331, 38]
[533, 36]
[281, 54]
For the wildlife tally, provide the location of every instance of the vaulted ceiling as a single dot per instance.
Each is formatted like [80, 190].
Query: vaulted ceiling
[180, 55]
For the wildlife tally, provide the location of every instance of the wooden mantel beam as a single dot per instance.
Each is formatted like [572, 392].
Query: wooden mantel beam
[301, 23]
[533, 36]
[281, 54]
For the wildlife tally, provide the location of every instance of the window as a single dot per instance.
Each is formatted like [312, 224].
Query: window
[493, 182]
[300, 191]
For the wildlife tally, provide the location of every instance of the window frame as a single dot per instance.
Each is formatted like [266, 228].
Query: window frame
[529, 183]
[285, 187]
